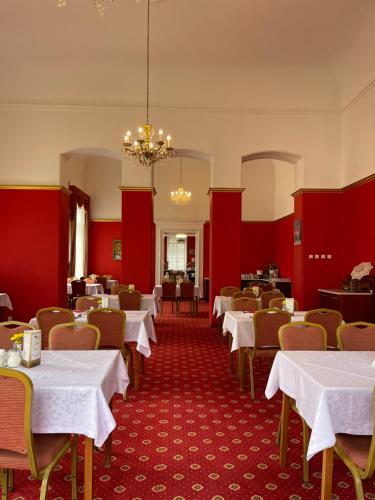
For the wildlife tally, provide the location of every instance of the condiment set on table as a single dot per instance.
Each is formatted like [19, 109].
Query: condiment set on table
[28, 354]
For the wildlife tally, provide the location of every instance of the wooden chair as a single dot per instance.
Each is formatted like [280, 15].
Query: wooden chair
[130, 300]
[357, 336]
[330, 319]
[267, 296]
[50, 316]
[8, 329]
[90, 281]
[20, 448]
[244, 304]
[266, 341]
[229, 291]
[302, 336]
[102, 280]
[85, 303]
[111, 323]
[278, 303]
[168, 294]
[358, 454]
[116, 289]
[74, 337]
[187, 295]
[78, 290]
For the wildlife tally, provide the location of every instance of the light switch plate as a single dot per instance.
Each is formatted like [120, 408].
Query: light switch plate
[323, 256]
[311, 256]
[317, 256]
[329, 256]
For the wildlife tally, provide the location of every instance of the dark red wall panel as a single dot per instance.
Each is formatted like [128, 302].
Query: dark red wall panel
[257, 245]
[101, 236]
[206, 250]
[284, 247]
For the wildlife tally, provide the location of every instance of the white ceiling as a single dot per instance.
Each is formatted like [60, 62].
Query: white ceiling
[238, 53]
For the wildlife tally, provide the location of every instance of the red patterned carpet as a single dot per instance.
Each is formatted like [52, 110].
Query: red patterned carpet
[190, 433]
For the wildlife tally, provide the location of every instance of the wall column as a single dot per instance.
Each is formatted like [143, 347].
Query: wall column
[34, 248]
[138, 237]
[225, 240]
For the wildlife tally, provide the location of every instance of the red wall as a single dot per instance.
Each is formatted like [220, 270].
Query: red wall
[206, 250]
[284, 247]
[101, 236]
[190, 248]
[34, 249]
[257, 245]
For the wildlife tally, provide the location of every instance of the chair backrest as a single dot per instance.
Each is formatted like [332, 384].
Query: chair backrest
[130, 300]
[330, 319]
[116, 289]
[237, 295]
[249, 293]
[108, 276]
[269, 295]
[186, 289]
[168, 289]
[78, 288]
[111, 323]
[74, 337]
[90, 281]
[16, 389]
[229, 291]
[85, 303]
[266, 326]
[277, 303]
[172, 275]
[102, 280]
[244, 304]
[8, 329]
[49, 317]
[357, 336]
[303, 336]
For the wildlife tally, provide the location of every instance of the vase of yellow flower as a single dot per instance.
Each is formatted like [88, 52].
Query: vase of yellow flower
[14, 357]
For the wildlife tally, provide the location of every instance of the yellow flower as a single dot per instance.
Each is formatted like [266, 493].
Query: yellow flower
[17, 338]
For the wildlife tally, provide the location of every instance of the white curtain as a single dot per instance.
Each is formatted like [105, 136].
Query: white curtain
[80, 243]
[176, 252]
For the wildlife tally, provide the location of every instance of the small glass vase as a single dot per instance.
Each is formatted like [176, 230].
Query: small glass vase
[14, 356]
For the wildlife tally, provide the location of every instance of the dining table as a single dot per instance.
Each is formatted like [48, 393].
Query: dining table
[72, 391]
[149, 302]
[111, 283]
[333, 392]
[223, 303]
[91, 288]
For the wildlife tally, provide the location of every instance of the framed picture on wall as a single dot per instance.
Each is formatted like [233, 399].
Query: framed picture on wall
[297, 232]
[117, 250]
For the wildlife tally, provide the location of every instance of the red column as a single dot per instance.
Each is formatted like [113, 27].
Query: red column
[34, 248]
[321, 221]
[138, 238]
[225, 240]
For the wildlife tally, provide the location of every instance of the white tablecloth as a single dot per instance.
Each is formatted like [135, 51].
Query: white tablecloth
[72, 390]
[241, 326]
[91, 288]
[111, 283]
[158, 291]
[139, 328]
[5, 301]
[223, 304]
[333, 391]
[149, 302]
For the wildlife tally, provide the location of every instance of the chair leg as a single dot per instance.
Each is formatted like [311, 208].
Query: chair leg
[305, 437]
[11, 479]
[252, 389]
[230, 355]
[108, 452]
[4, 484]
[278, 432]
[74, 467]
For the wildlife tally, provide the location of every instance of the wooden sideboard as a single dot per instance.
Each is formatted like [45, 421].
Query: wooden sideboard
[353, 306]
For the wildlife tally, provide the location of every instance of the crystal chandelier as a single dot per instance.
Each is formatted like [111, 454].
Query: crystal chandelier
[101, 5]
[181, 197]
[145, 150]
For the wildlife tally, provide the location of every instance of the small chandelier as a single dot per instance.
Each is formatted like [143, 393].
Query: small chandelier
[101, 5]
[145, 150]
[181, 197]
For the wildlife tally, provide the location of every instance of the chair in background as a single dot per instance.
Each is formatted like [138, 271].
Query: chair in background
[8, 329]
[187, 295]
[357, 336]
[277, 303]
[266, 341]
[172, 275]
[116, 289]
[130, 300]
[22, 449]
[108, 276]
[330, 319]
[87, 302]
[249, 293]
[102, 280]
[268, 296]
[358, 454]
[229, 291]
[302, 336]
[74, 337]
[168, 294]
[78, 290]
[180, 275]
[90, 281]
[111, 323]
[244, 304]
[49, 317]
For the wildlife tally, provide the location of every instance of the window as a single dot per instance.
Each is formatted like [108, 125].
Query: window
[80, 254]
[176, 253]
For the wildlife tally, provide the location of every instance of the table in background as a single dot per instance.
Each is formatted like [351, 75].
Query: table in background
[91, 288]
[72, 391]
[111, 283]
[149, 302]
[222, 304]
[354, 306]
[158, 291]
[333, 391]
